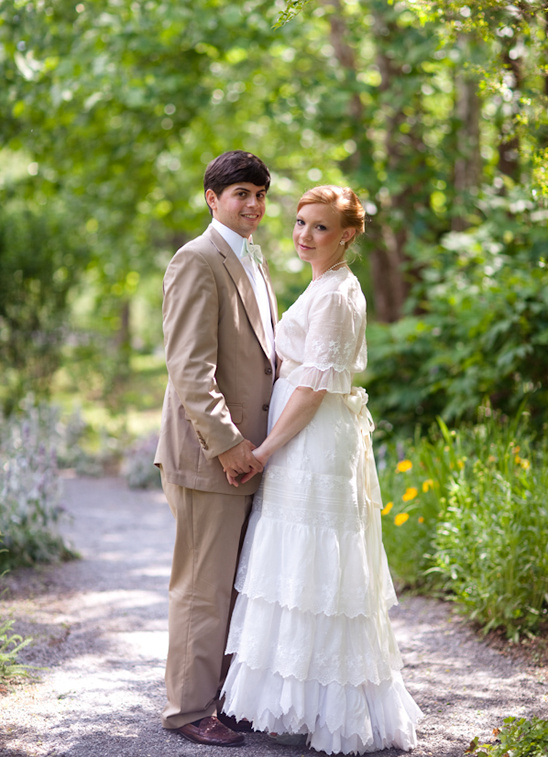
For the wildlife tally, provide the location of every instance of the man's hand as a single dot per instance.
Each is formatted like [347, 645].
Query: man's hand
[239, 460]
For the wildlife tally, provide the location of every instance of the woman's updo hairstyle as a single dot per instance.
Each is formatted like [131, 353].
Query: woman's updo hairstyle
[343, 200]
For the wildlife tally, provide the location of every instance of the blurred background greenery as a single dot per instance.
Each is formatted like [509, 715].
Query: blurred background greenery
[436, 113]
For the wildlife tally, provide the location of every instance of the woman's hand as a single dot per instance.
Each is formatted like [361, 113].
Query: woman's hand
[262, 457]
[240, 460]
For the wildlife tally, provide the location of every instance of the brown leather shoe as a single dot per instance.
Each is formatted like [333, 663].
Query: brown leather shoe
[240, 726]
[210, 731]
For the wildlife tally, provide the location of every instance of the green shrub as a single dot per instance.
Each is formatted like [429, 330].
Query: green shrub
[518, 737]
[466, 516]
[476, 323]
[30, 508]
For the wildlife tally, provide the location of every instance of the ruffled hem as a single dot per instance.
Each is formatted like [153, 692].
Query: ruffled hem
[307, 646]
[338, 719]
[329, 378]
[316, 569]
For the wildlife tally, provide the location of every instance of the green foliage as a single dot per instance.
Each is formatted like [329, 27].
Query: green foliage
[10, 646]
[518, 737]
[467, 518]
[292, 9]
[113, 108]
[482, 327]
[30, 490]
[39, 266]
[481, 17]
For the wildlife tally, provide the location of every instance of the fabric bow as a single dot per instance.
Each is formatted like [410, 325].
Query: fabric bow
[253, 250]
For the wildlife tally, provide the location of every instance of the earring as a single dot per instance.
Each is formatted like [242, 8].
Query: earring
[342, 241]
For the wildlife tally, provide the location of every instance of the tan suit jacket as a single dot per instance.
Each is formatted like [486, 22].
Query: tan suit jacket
[218, 361]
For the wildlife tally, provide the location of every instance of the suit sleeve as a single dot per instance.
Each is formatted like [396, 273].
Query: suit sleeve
[190, 320]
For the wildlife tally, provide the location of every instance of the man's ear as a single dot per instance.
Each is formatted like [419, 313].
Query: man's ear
[211, 199]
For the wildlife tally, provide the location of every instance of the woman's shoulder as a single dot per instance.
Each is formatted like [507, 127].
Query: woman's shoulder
[341, 284]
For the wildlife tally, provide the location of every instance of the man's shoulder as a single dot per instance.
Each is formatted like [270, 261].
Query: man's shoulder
[199, 243]
[208, 245]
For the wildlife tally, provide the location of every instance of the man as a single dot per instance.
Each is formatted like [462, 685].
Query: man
[218, 315]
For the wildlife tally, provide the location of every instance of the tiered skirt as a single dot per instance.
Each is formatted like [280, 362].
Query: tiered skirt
[313, 648]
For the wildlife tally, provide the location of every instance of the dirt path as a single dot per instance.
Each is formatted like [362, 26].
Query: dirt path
[99, 626]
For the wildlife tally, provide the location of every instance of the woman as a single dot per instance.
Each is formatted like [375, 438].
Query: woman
[313, 649]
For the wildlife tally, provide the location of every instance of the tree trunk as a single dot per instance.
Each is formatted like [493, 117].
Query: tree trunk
[389, 287]
[388, 261]
[123, 339]
[468, 161]
[509, 145]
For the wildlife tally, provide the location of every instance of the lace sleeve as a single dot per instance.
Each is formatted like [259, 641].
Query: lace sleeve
[335, 339]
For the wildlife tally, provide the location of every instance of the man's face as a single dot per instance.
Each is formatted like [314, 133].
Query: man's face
[240, 207]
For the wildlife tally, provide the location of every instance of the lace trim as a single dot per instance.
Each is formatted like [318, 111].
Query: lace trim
[307, 646]
[315, 569]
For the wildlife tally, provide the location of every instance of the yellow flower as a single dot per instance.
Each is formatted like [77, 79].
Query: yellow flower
[401, 518]
[460, 463]
[515, 450]
[491, 459]
[386, 510]
[517, 459]
[421, 519]
[525, 464]
[428, 484]
[410, 494]
[403, 466]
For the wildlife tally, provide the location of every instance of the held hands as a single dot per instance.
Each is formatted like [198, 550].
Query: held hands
[261, 457]
[239, 463]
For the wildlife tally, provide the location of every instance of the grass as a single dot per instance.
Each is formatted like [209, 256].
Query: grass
[10, 646]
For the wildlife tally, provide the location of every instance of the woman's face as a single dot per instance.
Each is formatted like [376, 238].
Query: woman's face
[318, 234]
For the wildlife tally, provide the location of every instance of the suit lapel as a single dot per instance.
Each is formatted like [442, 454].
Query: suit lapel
[245, 290]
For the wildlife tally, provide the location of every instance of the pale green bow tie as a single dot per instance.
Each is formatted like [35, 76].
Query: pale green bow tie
[253, 250]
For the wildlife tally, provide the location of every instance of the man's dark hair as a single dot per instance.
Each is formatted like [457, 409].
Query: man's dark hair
[234, 167]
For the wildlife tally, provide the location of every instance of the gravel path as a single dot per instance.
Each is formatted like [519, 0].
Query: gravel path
[99, 626]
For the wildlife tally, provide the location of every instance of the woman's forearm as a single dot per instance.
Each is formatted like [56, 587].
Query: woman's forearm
[298, 412]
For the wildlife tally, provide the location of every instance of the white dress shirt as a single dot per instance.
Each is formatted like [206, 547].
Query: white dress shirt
[256, 280]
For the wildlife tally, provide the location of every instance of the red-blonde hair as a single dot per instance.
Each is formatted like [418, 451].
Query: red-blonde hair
[341, 199]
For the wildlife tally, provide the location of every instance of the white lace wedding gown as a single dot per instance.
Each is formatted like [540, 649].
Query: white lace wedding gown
[313, 648]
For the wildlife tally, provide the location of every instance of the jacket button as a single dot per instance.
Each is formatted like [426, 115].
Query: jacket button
[265, 407]
[268, 370]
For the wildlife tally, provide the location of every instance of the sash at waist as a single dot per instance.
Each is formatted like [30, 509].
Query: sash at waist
[356, 401]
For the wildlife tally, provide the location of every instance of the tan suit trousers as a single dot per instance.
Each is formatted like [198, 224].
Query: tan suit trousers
[209, 534]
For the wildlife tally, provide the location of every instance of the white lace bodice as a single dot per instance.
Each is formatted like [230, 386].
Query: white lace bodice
[321, 337]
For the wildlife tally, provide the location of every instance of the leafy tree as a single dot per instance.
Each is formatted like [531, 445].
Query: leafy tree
[40, 260]
[115, 107]
[446, 153]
